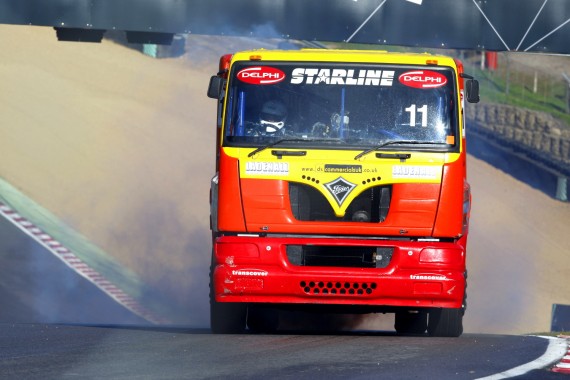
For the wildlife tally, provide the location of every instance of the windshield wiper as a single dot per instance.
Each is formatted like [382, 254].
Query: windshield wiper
[409, 142]
[261, 148]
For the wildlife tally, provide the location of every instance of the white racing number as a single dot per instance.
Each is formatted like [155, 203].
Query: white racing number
[412, 110]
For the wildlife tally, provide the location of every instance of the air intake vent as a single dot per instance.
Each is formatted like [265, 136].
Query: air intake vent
[339, 256]
[370, 206]
[325, 288]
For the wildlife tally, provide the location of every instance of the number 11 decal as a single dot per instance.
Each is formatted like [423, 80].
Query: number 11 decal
[412, 110]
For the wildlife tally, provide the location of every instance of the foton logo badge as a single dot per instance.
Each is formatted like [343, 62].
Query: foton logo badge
[339, 189]
[261, 75]
[422, 79]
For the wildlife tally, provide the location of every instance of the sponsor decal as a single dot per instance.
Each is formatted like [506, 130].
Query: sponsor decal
[422, 79]
[250, 272]
[332, 168]
[267, 168]
[428, 276]
[261, 75]
[419, 172]
[339, 189]
[342, 77]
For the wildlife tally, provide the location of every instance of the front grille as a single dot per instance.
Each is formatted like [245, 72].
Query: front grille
[339, 256]
[321, 287]
[370, 206]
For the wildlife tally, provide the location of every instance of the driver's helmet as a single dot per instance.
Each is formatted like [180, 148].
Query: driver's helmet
[273, 115]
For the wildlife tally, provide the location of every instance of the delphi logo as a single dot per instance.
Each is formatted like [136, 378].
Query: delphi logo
[422, 79]
[261, 75]
[339, 189]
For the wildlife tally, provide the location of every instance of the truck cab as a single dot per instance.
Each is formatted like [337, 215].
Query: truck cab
[340, 183]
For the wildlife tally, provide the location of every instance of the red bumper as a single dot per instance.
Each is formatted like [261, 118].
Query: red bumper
[420, 274]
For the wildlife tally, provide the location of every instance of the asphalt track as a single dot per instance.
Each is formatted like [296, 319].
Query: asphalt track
[54, 351]
[35, 288]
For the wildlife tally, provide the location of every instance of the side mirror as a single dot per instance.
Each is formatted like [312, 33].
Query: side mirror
[472, 90]
[216, 86]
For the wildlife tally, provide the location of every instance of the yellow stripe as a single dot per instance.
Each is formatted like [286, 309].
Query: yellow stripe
[320, 167]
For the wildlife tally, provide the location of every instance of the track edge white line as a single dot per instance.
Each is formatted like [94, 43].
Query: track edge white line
[555, 351]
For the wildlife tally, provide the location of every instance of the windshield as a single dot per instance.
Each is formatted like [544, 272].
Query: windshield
[359, 105]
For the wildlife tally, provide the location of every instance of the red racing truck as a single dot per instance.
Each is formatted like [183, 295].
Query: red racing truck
[340, 186]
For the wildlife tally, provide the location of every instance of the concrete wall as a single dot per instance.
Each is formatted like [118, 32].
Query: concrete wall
[537, 134]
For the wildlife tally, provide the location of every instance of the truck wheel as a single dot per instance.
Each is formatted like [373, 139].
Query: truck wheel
[262, 319]
[411, 322]
[445, 322]
[225, 317]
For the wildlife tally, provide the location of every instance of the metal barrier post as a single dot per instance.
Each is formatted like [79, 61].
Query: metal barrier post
[562, 189]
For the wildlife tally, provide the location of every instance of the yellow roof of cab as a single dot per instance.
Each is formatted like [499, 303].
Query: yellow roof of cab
[332, 55]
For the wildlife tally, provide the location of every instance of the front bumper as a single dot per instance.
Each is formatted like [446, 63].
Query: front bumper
[420, 274]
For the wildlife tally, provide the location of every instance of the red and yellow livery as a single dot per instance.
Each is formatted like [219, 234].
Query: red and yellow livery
[341, 182]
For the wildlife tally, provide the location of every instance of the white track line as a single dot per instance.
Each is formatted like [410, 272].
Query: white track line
[556, 349]
[78, 265]
[563, 366]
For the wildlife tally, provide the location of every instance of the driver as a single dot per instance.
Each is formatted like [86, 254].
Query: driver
[273, 116]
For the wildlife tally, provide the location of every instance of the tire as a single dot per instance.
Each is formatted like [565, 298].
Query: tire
[407, 322]
[445, 322]
[225, 317]
[262, 319]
